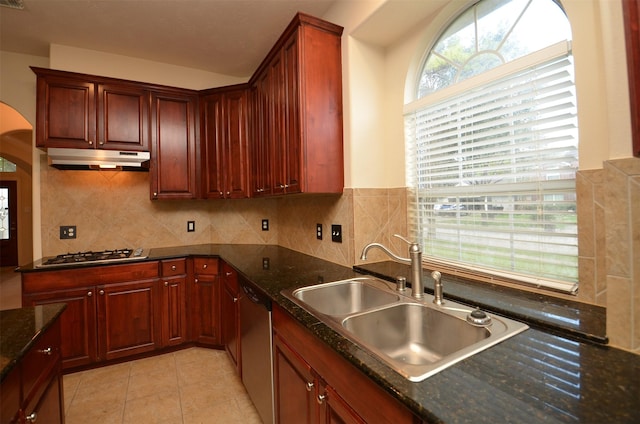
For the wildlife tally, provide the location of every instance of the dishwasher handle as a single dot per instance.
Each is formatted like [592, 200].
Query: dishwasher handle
[255, 296]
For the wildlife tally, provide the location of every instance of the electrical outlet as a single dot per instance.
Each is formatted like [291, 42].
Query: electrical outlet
[265, 225]
[191, 226]
[319, 231]
[336, 233]
[68, 232]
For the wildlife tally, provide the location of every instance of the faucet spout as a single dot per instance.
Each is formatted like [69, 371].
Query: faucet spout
[415, 260]
[370, 246]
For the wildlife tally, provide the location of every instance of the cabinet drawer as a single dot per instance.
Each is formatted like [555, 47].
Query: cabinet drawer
[173, 267]
[43, 357]
[205, 266]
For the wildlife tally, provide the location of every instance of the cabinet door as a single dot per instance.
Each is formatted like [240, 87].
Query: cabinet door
[65, 113]
[123, 117]
[235, 140]
[277, 143]
[213, 147]
[334, 409]
[78, 323]
[294, 386]
[292, 136]
[174, 311]
[50, 406]
[173, 153]
[230, 314]
[261, 166]
[126, 318]
[205, 318]
[10, 396]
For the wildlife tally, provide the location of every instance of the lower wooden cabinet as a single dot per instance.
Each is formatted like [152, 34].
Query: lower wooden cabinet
[205, 302]
[111, 310]
[174, 302]
[127, 319]
[32, 392]
[313, 384]
[230, 314]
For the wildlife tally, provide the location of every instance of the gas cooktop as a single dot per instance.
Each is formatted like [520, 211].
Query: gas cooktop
[90, 257]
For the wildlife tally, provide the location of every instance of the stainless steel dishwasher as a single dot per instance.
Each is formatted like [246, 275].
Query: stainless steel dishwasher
[255, 348]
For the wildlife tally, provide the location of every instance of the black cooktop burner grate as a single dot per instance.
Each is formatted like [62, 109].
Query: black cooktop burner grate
[90, 256]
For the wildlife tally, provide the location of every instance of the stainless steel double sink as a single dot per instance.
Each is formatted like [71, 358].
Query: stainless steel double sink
[415, 338]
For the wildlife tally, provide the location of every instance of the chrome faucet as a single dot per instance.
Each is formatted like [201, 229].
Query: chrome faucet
[415, 260]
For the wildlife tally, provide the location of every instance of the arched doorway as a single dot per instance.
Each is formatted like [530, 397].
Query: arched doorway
[16, 135]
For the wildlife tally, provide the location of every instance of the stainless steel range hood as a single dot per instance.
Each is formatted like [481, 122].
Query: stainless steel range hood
[97, 159]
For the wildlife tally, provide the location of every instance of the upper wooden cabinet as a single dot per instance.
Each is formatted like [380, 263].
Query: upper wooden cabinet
[88, 112]
[297, 143]
[224, 141]
[174, 144]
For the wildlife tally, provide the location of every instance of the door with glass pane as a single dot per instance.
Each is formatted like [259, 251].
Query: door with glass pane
[8, 224]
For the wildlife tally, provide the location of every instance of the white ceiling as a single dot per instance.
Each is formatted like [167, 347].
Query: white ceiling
[229, 37]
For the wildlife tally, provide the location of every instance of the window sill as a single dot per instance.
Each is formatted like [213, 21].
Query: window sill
[564, 317]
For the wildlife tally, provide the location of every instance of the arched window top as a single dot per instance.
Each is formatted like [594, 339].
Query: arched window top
[6, 165]
[489, 34]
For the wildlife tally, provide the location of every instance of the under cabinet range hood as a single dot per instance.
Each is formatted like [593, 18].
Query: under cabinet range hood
[64, 158]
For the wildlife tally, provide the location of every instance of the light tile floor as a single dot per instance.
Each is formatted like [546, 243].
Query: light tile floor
[194, 385]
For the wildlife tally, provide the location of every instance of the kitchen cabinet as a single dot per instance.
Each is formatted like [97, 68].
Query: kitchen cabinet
[297, 114]
[88, 112]
[205, 302]
[224, 133]
[173, 274]
[111, 310]
[312, 383]
[33, 389]
[230, 314]
[301, 396]
[174, 145]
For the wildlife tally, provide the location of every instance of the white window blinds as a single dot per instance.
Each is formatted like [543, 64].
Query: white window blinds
[493, 164]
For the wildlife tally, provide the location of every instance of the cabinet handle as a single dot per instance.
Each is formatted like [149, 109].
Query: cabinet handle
[173, 267]
[204, 266]
[101, 292]
[321, 398]
[166, 284]
[228, 193]
[309, 386]
[195, 280]
[155, 194]
[235, 299]
[89, 293]
[47, 351]
[101, 142]
[31, 418]
[228, 274]
[90, 142]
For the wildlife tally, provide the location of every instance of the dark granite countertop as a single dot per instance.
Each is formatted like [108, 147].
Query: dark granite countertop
[20, 329]
[554, 372]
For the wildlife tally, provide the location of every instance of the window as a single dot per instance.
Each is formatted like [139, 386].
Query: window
[492, 145]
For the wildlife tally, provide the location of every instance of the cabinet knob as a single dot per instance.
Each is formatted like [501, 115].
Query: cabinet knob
[89, 293]
[228, 193]
[309, 386]
[321, 398]
[195, 281]
[166, 284]
[228, 274]
[90, 142]
[48, 351]
[31, 418]
[204, 266]
[101, 143]
[235, 299]
[173, 267]
[155, 194]
[101, 292]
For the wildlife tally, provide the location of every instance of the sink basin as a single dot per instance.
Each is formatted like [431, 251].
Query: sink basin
[414, 334]
[415, 338]
[345, 297]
